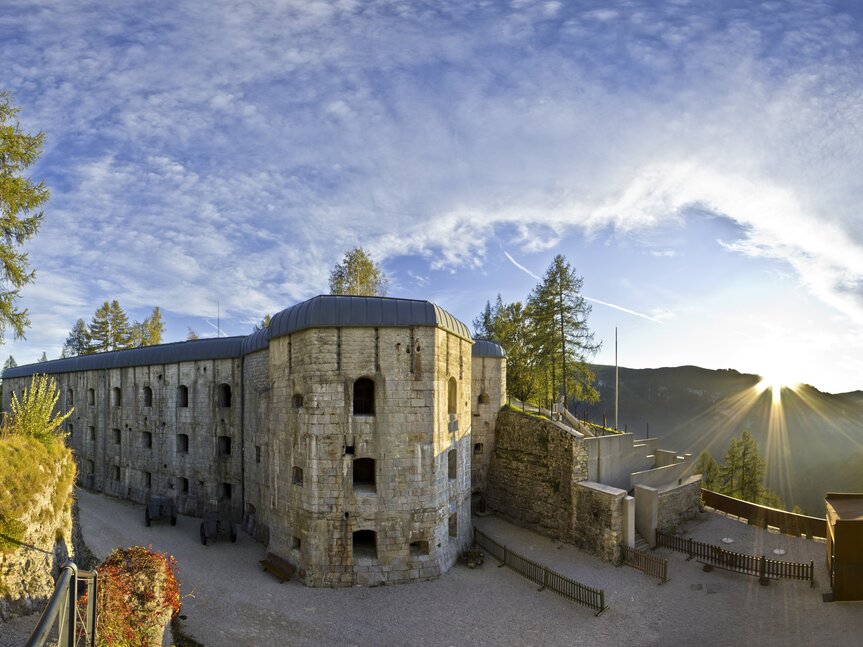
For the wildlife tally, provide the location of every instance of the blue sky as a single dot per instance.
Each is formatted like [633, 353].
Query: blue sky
[699, 163]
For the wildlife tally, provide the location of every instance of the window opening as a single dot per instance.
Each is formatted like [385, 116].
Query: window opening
[148, 396]
[224, 395]
[297, 476]
[364, 475]
[452, 464]
[182, 443]
[365, 544]
[116, 396]
[364, 397]
[182, 396]
[452, 396]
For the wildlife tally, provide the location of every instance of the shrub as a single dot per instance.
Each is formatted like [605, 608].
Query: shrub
[33, 415]
[138, 595]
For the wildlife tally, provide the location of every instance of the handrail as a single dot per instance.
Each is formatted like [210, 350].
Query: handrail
[62, 609]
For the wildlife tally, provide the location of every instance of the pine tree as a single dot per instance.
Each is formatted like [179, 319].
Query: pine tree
[10, 363]
[44, 357]
[358, 275]
[110, 329]
[709, 470]
[483, 325]
[19, 201]
[78, 341]
[743, 472]
[265, 323]
[560, 338]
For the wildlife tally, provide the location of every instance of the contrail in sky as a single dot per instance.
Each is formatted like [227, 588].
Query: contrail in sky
[520, 266]
[622, 309]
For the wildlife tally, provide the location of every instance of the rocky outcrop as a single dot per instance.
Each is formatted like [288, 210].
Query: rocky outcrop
[36, 532]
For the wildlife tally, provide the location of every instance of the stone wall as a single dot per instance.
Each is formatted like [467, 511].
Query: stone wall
[488, 396]
[598, 523]
[256, 442]
[679, 503]
[532, 471]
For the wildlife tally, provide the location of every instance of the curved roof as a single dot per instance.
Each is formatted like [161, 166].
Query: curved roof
[330, 310]
[181, 351]
[487, 348]
[322, 311]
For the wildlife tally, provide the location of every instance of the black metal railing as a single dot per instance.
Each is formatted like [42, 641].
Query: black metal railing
[542, 575]
[719, 557]
[75, 623]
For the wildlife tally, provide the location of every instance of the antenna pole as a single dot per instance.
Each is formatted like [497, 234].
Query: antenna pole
[616, 380]
[219, 320]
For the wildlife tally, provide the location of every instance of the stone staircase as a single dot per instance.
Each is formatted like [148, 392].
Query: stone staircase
[641, 543]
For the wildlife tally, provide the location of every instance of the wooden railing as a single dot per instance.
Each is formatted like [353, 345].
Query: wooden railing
[762, 516]
[645, 562]
[719, 557]
[542, 575]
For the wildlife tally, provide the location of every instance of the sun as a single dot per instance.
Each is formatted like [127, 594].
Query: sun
[776, 384]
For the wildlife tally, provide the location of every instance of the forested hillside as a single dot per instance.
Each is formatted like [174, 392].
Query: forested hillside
[812, 441]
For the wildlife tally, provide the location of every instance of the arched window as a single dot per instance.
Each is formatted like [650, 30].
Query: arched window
[91, 397]
[70, 399]
[364, 475]
[365, 544]
[297, 401]
[364, 397]
[148, 396]
[224, 395]
[483, 398]
[452, 464]
[182, 396]
[452, 396]
[116, 396]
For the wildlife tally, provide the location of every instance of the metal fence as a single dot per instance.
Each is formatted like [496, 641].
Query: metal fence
[765, 569]
[76, 625]
[545, 577]
[645, 562]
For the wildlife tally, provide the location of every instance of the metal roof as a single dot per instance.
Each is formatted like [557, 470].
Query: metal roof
[182, 351]
[487, 348]
[324, 311]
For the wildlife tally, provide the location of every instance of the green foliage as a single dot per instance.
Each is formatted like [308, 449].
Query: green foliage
[192, 335]
[358, 275]
[265, 323]
[110, 329]
[20, 218]
[709, 470]
[78, 341]
[743, 471]
[33, 416]
[10, 363]
[136, 586]
[547, 341]
[560, 339]
[150, 331]
[28, 466]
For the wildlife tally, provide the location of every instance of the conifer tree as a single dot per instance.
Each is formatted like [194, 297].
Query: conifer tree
[709, 470]
[20, 218]
[78, 341]
[560, 339]
[358, 275]
[10, 363]
[148, 332]
[110, 329]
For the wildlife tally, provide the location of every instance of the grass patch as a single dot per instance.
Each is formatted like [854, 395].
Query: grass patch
[529, 414]
[27, 466]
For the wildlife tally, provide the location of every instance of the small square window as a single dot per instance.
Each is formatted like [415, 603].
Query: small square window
[349, 450]
[182, 443]
[183, 485]
[297, 476]
[419, 548]
[296, 543]
[146, 439]
[224, 445]
[477, 448]
[117, 435]
[225, 491]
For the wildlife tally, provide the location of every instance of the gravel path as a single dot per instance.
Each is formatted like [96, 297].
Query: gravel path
[232, 602]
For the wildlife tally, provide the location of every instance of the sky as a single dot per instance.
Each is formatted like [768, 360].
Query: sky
[699, 164]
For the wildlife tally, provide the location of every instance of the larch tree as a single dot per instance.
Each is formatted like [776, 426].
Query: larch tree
[561, 340]
[20, 217]
[358, 275]
[78, 341]
[707, 466]
[148, 332]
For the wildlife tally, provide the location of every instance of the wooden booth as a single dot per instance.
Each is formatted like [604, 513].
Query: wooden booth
[845, 545]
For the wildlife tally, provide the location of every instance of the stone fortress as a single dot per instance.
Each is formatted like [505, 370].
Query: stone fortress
[349, 437]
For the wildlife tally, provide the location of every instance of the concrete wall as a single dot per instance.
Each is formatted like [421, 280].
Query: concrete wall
[488, 396]
[662, 476]
[647, 512]
[611, 459]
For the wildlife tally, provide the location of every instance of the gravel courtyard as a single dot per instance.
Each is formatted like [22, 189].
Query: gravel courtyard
[231, 601]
